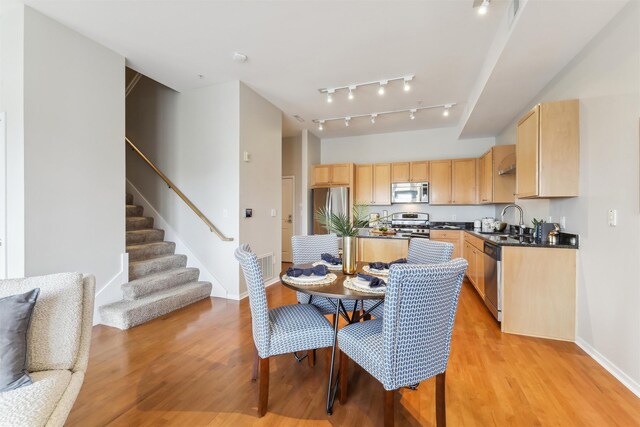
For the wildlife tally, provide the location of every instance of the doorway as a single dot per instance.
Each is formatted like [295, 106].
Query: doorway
[288, 225]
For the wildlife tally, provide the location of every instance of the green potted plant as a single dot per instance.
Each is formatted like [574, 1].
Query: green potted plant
[347, 226]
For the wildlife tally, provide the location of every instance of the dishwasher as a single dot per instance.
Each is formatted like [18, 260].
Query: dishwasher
[493, 279]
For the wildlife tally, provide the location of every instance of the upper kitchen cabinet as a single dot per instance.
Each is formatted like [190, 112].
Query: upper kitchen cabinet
[332, 175]
[497, 175]
[548, 151]
[373, 184]
[410, 171]
[453, 182]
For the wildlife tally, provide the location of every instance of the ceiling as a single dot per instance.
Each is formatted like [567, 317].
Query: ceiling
[296, 47]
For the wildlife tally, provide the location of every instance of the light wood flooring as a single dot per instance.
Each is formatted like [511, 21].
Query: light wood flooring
[193, 368]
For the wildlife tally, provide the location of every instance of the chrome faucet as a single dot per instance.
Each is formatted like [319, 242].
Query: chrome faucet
[521, 224]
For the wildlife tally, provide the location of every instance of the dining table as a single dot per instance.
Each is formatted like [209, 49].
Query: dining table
[336, 292]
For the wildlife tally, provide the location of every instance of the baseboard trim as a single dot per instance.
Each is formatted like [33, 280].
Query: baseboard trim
[112, 291]
[243, 295]
[627, 381]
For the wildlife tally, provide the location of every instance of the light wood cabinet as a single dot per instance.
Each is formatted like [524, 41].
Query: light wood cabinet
[496, 186]
[453, 182]
[539, 292]
[473, 252]
[440, 182]
[451, 236]
[383, 250]
[410, 171]
[548, 151]
[330, 175]
[373, 184]
[463, 182]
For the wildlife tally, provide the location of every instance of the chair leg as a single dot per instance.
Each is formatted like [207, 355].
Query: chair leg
[311, 355]
[254, 371]
[441, 412]
[344, 373]
[263, 387]
[389, 396]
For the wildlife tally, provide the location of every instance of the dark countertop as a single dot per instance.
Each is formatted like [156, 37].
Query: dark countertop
[366, 233]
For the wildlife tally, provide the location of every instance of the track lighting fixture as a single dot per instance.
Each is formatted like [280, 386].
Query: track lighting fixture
[373, 116]
[382, 85]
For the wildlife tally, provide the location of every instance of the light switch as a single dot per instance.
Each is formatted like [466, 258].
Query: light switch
[613, 217]
[273, 212]
[247, 156]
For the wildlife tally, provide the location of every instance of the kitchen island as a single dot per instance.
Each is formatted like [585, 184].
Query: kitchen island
[374, 247]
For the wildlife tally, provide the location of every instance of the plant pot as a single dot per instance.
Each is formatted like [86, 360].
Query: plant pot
[349, 254]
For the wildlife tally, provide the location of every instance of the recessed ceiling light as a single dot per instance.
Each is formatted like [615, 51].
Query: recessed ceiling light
[239, 57]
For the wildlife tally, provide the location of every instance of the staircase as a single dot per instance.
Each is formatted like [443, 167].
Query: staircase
[160, 281]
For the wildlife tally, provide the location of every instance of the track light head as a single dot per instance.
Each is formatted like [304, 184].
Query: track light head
[447, 107]
[320, 125]
[407, 86]
[351, 90]
[373, 118]
[484, 7]
[330, 93]
[346, 121]
[383, 83]
[412, 114]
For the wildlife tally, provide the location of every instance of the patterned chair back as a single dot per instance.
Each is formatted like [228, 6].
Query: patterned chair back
[425, 251]
[419, 310]
[308, 249]
[257, 297]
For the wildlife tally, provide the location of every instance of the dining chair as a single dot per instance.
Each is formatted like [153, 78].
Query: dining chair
[308, 249]
[421, 251]
[281, 330]
[411, 342]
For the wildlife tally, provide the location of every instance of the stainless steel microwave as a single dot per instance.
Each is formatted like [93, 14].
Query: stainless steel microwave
[410, 192]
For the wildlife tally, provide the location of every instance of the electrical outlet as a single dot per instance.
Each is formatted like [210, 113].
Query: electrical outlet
[563, 222]
[612, 217]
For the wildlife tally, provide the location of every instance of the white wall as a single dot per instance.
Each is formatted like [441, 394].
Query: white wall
[261, 177]
[193, 137]
[12, 102]
[71, 162]
[605, 77]
[311, 155]
[292, 166]
[430, 144]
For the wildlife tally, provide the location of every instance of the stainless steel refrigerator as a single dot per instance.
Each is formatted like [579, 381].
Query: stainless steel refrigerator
[334, 200]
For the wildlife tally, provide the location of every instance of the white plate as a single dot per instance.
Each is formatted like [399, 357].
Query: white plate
[309, 279]
[329, 266]
[370, 270]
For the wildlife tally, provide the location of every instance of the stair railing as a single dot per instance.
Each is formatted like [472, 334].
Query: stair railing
[180, 194]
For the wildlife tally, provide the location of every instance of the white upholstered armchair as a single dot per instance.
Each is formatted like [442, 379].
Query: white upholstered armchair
[57, 351]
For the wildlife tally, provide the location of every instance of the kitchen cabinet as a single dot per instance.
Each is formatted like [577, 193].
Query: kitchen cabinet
[440, 182]
[373, 184]
[332, 175]
[539, 292]
[450, 236]
[473, 252]
[410, 171]
[497, 175]
[453, 182]
[548, 151]
[382, 249]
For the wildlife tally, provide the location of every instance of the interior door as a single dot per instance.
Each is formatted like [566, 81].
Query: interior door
[287, 217]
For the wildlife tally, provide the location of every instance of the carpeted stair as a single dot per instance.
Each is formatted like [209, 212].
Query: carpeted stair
[160, 281]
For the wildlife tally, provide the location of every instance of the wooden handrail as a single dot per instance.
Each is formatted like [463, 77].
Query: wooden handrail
[180, 194]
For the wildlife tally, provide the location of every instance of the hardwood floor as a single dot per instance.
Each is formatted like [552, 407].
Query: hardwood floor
[193, 368]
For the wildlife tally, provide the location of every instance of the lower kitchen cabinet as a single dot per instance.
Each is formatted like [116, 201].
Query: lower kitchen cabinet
[539, 292]
[473, 252]
[381, 249]
[450, 236]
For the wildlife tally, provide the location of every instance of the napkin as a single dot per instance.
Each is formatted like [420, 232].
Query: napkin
[384, 265]
[374, 282]
[334, 260]
[318, 270]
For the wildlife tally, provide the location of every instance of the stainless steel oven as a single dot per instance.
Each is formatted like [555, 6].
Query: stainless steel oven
[410, 192]
[493, 279]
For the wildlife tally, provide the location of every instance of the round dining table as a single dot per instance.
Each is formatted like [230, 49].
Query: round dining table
[336, 292]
